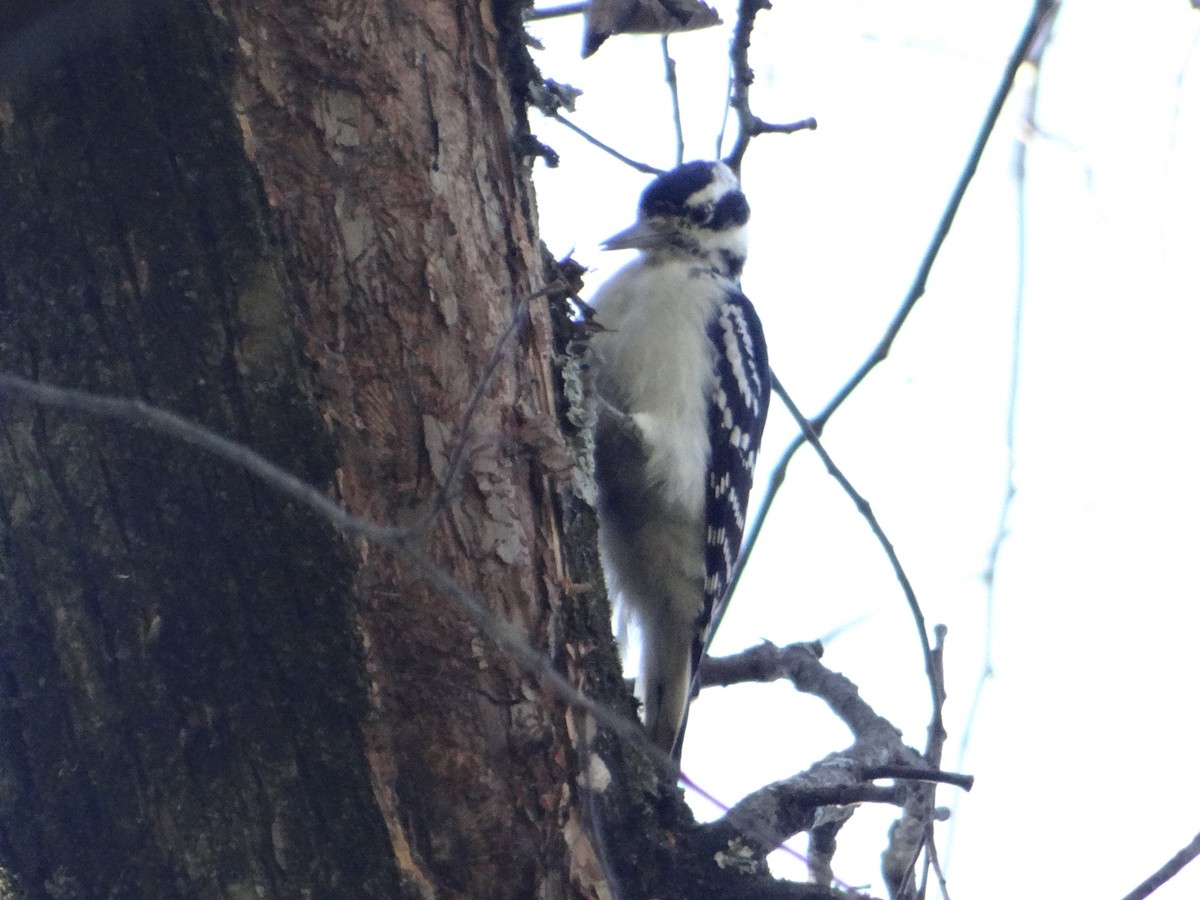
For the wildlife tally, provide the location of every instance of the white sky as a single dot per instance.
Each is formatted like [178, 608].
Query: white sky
[1087, 740]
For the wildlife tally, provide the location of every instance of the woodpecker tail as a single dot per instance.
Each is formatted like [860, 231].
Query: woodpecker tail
[664, 684]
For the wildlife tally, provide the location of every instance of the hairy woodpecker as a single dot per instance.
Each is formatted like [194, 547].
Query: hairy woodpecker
[681, 369]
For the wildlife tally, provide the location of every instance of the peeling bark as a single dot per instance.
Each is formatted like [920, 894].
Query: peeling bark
[409, 259]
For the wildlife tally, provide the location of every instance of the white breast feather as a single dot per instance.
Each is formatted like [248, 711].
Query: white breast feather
[658, 366]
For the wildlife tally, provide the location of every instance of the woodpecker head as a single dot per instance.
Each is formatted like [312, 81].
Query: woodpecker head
[695, 211]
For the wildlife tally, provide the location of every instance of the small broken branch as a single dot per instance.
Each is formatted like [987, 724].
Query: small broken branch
[741, 77]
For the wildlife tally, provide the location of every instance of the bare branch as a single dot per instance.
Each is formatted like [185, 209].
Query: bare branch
[914, 830]
[800, 664]
[741, 80]
[741, 77]
[937, 693]
[911, 832]
[809, 434]
[934, 862]
[596, 142]
[763, 664]
[505, 635]
[673, 87]
[1009, 489]
[790, 806]
[555, 12]
[1169, 870]
[1009, 493]
[1042, 10]
[773, 814]
[908, 836]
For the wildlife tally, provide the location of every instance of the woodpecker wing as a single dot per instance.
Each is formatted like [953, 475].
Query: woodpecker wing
[737, 410]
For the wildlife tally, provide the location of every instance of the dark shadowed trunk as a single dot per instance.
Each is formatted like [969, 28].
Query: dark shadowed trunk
[307, 231]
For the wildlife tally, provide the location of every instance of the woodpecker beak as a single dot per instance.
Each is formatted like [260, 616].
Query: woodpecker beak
[645, 235]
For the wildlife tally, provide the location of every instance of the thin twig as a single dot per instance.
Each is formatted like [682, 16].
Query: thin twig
[912, 834]
[809, 435]
[555, 12]
[936, 738]
[932, 861]
[505, 635]
[137, 412]
[673, 87]
[906, 842]
[1010, 416]
[864, 509]
[1042, 9]
[725, 107]
[441, 498]
[1009, 490]
[596, 142]
[1169, 870]
[933, 776]
[761, 127]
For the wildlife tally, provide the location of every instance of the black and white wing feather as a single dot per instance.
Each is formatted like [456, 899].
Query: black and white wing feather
[737, 411]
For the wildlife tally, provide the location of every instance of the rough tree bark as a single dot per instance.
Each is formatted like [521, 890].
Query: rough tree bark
[305, 226]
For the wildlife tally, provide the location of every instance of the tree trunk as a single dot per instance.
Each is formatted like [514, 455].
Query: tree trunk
[304, 228]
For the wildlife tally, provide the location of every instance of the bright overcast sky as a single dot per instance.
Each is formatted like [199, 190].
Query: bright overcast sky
[1086, 740]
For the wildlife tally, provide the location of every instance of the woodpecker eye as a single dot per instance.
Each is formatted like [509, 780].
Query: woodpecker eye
[732, 210]
[702, 193]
